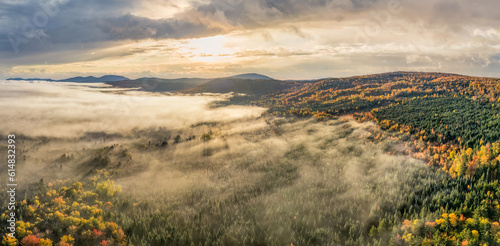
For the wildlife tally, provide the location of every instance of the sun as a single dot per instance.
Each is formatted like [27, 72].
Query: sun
[209, 49]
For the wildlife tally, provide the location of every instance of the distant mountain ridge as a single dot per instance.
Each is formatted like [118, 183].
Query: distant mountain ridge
[79, 79]
[249, 83]
[159, 85]
[105, 78]
[252, 76]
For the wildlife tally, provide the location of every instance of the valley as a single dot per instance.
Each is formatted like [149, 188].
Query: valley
[388, 159]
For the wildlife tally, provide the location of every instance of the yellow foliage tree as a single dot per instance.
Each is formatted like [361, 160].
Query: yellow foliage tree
[9, 241]
[45, 242]
[67, 239]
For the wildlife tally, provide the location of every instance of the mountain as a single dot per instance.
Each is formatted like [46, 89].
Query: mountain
[252, 76]
[89, 79]
[250, 83]
[160, 85]
[246, 86]
[237, 84]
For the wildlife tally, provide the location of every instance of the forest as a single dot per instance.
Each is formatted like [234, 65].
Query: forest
[450, 121]
[401, 158]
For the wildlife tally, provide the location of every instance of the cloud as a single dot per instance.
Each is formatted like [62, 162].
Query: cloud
[415, 58]
[79, 28]
[489, 33]
[131, 27]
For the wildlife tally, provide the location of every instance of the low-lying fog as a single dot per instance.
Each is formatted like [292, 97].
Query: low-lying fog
[71, 109]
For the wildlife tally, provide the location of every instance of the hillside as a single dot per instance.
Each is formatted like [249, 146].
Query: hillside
[251, 76]
[91, 79]
[364, 93]
[450, 121]
[160, 85]
[245, 86]
[453, 111]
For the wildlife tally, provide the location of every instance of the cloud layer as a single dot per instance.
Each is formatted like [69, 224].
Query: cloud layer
[335, 37]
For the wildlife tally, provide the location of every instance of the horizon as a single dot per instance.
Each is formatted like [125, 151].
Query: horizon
[287, 39]
[233, 75]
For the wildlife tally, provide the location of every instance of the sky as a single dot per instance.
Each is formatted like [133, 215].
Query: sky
[284, 39]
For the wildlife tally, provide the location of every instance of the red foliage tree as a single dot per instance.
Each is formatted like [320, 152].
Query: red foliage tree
[30, 240]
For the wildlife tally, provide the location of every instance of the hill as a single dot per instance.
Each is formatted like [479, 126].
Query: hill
[245, 86]
[450, 121]
[359, 94]
[440, 108]
[91, 79]
[252, 76]
[160, 85]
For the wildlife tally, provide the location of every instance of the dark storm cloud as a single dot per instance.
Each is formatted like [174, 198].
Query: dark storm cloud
[34, 29]
[35, 32]
[79, 22]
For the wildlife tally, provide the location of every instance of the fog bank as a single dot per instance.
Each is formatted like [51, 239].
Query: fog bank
[70, 109]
